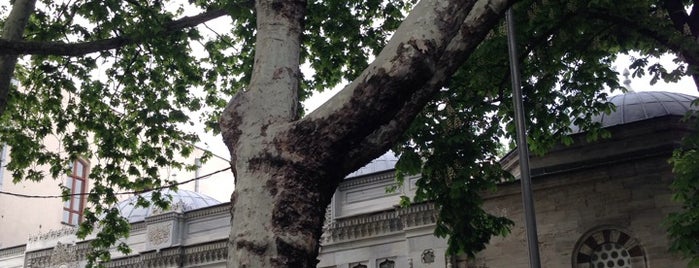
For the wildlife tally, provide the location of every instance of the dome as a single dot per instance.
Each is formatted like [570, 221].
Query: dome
[384, 162]
[638, 106]
[181, 200]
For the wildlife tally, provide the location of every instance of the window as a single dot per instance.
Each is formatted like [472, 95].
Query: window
[608, 247]
[387, 264]
[76, 182]
[2, 164]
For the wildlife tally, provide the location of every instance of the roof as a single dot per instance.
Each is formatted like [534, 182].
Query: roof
[630, 107]
[638, 106]
[182, 200]
[385, 162]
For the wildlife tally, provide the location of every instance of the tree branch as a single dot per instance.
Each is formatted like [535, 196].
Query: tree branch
[425, 51]
[679, 43]
[693, 20]
[675, 9]
[12, 30]
[473, 30]
[82, 48]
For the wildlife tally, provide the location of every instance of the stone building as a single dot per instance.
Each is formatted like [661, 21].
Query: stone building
[598, 204]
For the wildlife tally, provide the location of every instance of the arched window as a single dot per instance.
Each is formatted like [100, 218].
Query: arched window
[359, 265]
[608, 247]
[387, 264]
[77, 183]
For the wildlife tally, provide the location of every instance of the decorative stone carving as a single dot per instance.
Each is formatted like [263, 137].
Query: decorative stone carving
[63, 257]
[171, 257]
[52, 234]
[178, 207]
[362, 226]
[207, 253]
[418, 215]
[428, 256]
[160, 233]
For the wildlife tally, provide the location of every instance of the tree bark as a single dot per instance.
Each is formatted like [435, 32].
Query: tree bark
[250, 122]
[288, 168]
[12, 30]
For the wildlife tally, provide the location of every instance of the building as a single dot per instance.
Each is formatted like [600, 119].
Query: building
[598, 204]
[18, 225]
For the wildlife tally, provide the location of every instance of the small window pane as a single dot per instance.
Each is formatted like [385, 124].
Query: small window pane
[74, 218]
[76, 202]
[66, 204]
[69, 183]
[79, 168]
[66, 216]
[78, 187]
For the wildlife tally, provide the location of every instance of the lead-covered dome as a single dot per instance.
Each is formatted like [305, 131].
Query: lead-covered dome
[387, 161]
[181, 199]
[638, 106]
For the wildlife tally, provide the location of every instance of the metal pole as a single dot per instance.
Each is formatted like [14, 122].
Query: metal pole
[197, 163]
[523, 149]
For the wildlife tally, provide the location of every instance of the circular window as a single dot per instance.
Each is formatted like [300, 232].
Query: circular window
[610, 255]
[608, 248]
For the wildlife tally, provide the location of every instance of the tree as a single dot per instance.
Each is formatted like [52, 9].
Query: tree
[435, 91]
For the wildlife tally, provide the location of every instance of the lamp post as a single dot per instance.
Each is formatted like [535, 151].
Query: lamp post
[523, 149]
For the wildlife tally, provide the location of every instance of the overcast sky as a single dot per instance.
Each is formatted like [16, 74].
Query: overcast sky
[686, 86]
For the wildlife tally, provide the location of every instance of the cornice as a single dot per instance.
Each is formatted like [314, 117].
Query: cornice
[125, 262]
[350, 183]
[166, 216]
[13, 251]
[170, 257]
[417, 215]
[206, 253]
[208, 211]
[377, 224]
[194, 255]
[362, 226]
[140, 225]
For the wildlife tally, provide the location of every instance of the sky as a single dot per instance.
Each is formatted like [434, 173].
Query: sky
[685, 86]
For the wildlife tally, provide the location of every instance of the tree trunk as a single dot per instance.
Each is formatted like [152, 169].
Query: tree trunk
[286, 168]
[260, 237]
[12, 30]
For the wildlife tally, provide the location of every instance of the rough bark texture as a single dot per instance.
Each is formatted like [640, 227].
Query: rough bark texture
[287, 168]
[12, 30]
[249, 123]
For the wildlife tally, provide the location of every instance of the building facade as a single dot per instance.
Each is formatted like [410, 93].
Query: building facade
[598, 204]
[49, 214]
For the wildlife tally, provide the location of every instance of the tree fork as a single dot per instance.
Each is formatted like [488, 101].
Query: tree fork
[268, 205]
[287, 169]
